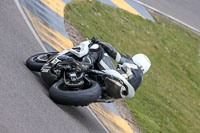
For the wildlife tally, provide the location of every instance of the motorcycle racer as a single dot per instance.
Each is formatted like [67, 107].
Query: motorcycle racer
[131, 68]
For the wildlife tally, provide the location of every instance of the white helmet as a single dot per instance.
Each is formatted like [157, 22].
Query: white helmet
[142, 61]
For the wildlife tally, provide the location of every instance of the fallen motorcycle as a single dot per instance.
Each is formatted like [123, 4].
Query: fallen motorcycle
[70, 86]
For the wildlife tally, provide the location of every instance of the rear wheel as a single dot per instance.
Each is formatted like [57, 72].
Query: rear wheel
[35, 62]
[83, 96]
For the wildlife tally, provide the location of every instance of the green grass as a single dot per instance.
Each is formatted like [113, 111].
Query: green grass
[169, 98]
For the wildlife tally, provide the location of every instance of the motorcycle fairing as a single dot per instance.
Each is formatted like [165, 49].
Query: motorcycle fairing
[131, 90]
[94, 46]
[83, 49]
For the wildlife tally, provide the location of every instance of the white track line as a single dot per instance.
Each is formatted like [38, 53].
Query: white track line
[29, 25]
[91, 111]
[41, 44]
[169, 16]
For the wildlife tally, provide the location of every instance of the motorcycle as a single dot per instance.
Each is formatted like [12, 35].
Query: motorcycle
[70, 86]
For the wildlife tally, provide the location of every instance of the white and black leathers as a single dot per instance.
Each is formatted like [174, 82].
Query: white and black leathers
[126, 67]
[99, 54]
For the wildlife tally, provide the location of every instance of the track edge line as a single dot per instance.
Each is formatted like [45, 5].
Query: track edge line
[169, 16]
[29, 25]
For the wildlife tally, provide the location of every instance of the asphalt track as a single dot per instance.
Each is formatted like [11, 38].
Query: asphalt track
[185, 10]
[25, 106]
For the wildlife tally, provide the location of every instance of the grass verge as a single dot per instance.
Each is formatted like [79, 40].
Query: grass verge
[169, 98]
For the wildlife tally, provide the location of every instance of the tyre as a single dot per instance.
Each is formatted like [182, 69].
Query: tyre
[35, 62]
[60, 94]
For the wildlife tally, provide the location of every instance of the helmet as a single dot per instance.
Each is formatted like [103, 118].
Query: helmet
[142, 61]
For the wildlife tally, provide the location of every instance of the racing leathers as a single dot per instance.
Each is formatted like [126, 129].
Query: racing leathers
[126, 67]
[100, 54]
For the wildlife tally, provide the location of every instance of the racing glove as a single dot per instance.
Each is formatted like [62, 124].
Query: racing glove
[95, 40]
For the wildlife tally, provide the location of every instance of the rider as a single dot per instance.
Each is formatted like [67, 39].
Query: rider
[131, 68]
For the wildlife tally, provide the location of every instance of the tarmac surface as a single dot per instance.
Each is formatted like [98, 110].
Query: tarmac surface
[184, 10]
[25, 106]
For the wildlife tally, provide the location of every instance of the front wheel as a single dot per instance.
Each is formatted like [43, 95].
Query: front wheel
[87, 94]
[35, 62]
